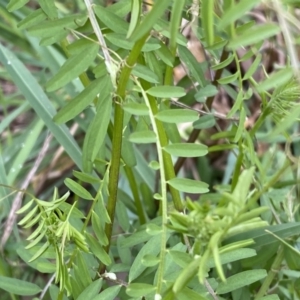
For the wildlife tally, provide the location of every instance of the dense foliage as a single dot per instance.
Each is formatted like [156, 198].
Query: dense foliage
[149, 149]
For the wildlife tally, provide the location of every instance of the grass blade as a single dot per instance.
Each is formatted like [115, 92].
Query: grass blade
[39, 101]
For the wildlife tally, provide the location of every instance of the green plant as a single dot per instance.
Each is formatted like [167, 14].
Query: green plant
[126, 226]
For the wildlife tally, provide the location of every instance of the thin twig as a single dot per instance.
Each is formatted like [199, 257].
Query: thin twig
[286, 32]
[11, 219]
[45, 289]
[210, 289]
[108, 61]
[113, 278]
[78, 34]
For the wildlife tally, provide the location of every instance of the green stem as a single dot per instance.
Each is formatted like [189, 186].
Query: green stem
[272, 273]
[269, 184]
[96, 199]
[114, 171]
[164, 206]
[135, 193]
[117, 136]
[259, 122]
[238, 165]
[168, 164]
[163, 139]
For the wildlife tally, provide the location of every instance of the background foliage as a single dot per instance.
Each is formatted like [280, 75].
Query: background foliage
[149, 149]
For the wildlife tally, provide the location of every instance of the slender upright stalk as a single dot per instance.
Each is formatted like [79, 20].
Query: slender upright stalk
[163, 182]
[163, 139]
[117, 135]
[272, 273]
[260, 121]
[135, 194]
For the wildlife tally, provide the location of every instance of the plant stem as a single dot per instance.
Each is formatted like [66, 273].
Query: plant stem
[160, 153]
[270, 183]
[135, 193]
[117, 135]
[272, 273]
[238, 165]
[163, 139]
[168, 164]
[259, 122]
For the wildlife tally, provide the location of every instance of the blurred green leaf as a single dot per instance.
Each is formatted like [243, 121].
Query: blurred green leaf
[97, 129]
[233, 255]
[60, 27]
[165, 91]
[99, 230]
[138, 109]
[80, 102]
[207, 91]
[204, 122]
[49, 8]
[150, 260]
[16, 4]
[91, 291]
[32, 19]
[72, 68]
[32, 134]
[176, 15]
[224, 63]
[207, 19]
[235, 12]
[284, 124]
[151, 247]
[241, 127]
[41, 264]
[254, 35]
[151, 18]
[177, 115]
[254, 67]
[86, 177]
[228, 79]
[139, 289]
[77, 189]
[241, 279]
[135, 16]
[143, 137]
[189, 185]
[135, 239]
[83, 276]
[120, 41]
[270, 297]
[122, 216]
[186, 149]
[98, 250]
[111, 20]
[18, 287]
[145, 73]
[192, 64]
[222, 147]
[237, 104]
[109, 293]
[39, 102]
[279, 78]
[186, 275]
[261, 237]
